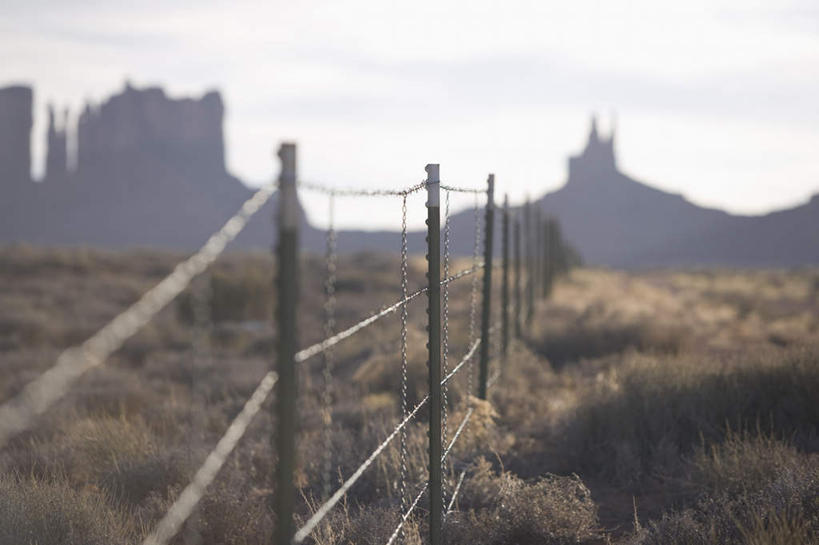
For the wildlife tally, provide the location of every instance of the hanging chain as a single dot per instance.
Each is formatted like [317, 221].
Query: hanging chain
[328, 356]
[473, 299]
[445, 342]
[201, 293]
[404, 361]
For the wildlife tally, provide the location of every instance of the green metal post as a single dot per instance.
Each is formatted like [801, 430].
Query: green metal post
[287, 289]
[436, 503]
[518, 309]
[483, 377]
[530, 262]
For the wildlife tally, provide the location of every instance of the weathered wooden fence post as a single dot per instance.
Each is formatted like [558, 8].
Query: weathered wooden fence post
[483, 377]
[505, 281]
[436, 505]
[518, 309]
[287, 285]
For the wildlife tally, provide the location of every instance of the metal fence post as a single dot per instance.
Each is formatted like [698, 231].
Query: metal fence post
[436, 504]
[516, 237]
[548, 258]
[538, 225]
[505, 280]
[487, 287]
[287, 300]
[530, 287]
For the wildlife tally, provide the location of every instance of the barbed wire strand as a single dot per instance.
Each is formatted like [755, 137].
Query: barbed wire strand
[457, 490]
[329, 331]
[406, 515]
[360, 192]
[463, 361]
[193, 493]
[463, 189]
[321, 346]
[18, 414]
[404, 359]
[322, 511]
[455, 493]
[458, 432]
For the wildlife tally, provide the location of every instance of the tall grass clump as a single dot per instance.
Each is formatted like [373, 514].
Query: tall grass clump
[654, 411]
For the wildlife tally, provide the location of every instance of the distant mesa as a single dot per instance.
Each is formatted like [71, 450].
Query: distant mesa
[15, 127]
[150, 170]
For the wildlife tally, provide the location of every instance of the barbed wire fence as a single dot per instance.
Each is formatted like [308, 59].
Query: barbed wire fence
[491, 343]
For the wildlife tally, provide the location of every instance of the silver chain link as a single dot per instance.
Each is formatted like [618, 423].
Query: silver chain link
[404, 359]
[445, 342]
[201, 293]
[473, 298]
[328, 355]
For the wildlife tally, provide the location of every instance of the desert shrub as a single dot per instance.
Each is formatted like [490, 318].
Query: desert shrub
[51, 512]
[580, 341]
[784, 511]
[502, 509]
[744, 462]
[244, 296]
[656, 411]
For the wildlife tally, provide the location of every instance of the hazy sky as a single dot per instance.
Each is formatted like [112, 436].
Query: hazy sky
[718, 100]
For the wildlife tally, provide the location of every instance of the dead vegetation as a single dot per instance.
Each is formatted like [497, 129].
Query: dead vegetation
[665, 407]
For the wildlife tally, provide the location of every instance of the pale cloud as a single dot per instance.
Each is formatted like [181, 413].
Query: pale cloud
[715, 99]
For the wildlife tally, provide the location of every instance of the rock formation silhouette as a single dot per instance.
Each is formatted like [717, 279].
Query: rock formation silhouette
[150, 171]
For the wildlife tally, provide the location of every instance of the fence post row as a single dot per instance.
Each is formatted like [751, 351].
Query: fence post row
[505, 280]
[483, 377]
[436, 504]
[287, 299]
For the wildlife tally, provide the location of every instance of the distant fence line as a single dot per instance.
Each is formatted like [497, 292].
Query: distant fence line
[539, 256]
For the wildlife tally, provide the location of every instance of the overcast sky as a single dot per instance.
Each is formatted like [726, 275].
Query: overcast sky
[718, 100]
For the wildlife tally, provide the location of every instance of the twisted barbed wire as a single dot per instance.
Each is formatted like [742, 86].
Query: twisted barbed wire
[360, 192]
[455, 189]
[458, 432]
[406, 515]
[325, 508]
[17, 414]
[193, 493]
[321, 346]
[329, 330]
[455, 493]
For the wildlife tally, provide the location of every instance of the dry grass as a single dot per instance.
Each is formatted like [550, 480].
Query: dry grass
[690, 395]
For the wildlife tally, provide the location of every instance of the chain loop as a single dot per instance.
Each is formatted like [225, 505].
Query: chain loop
[404, 359]
[445, 341]
[328, 355]
[473, 298]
